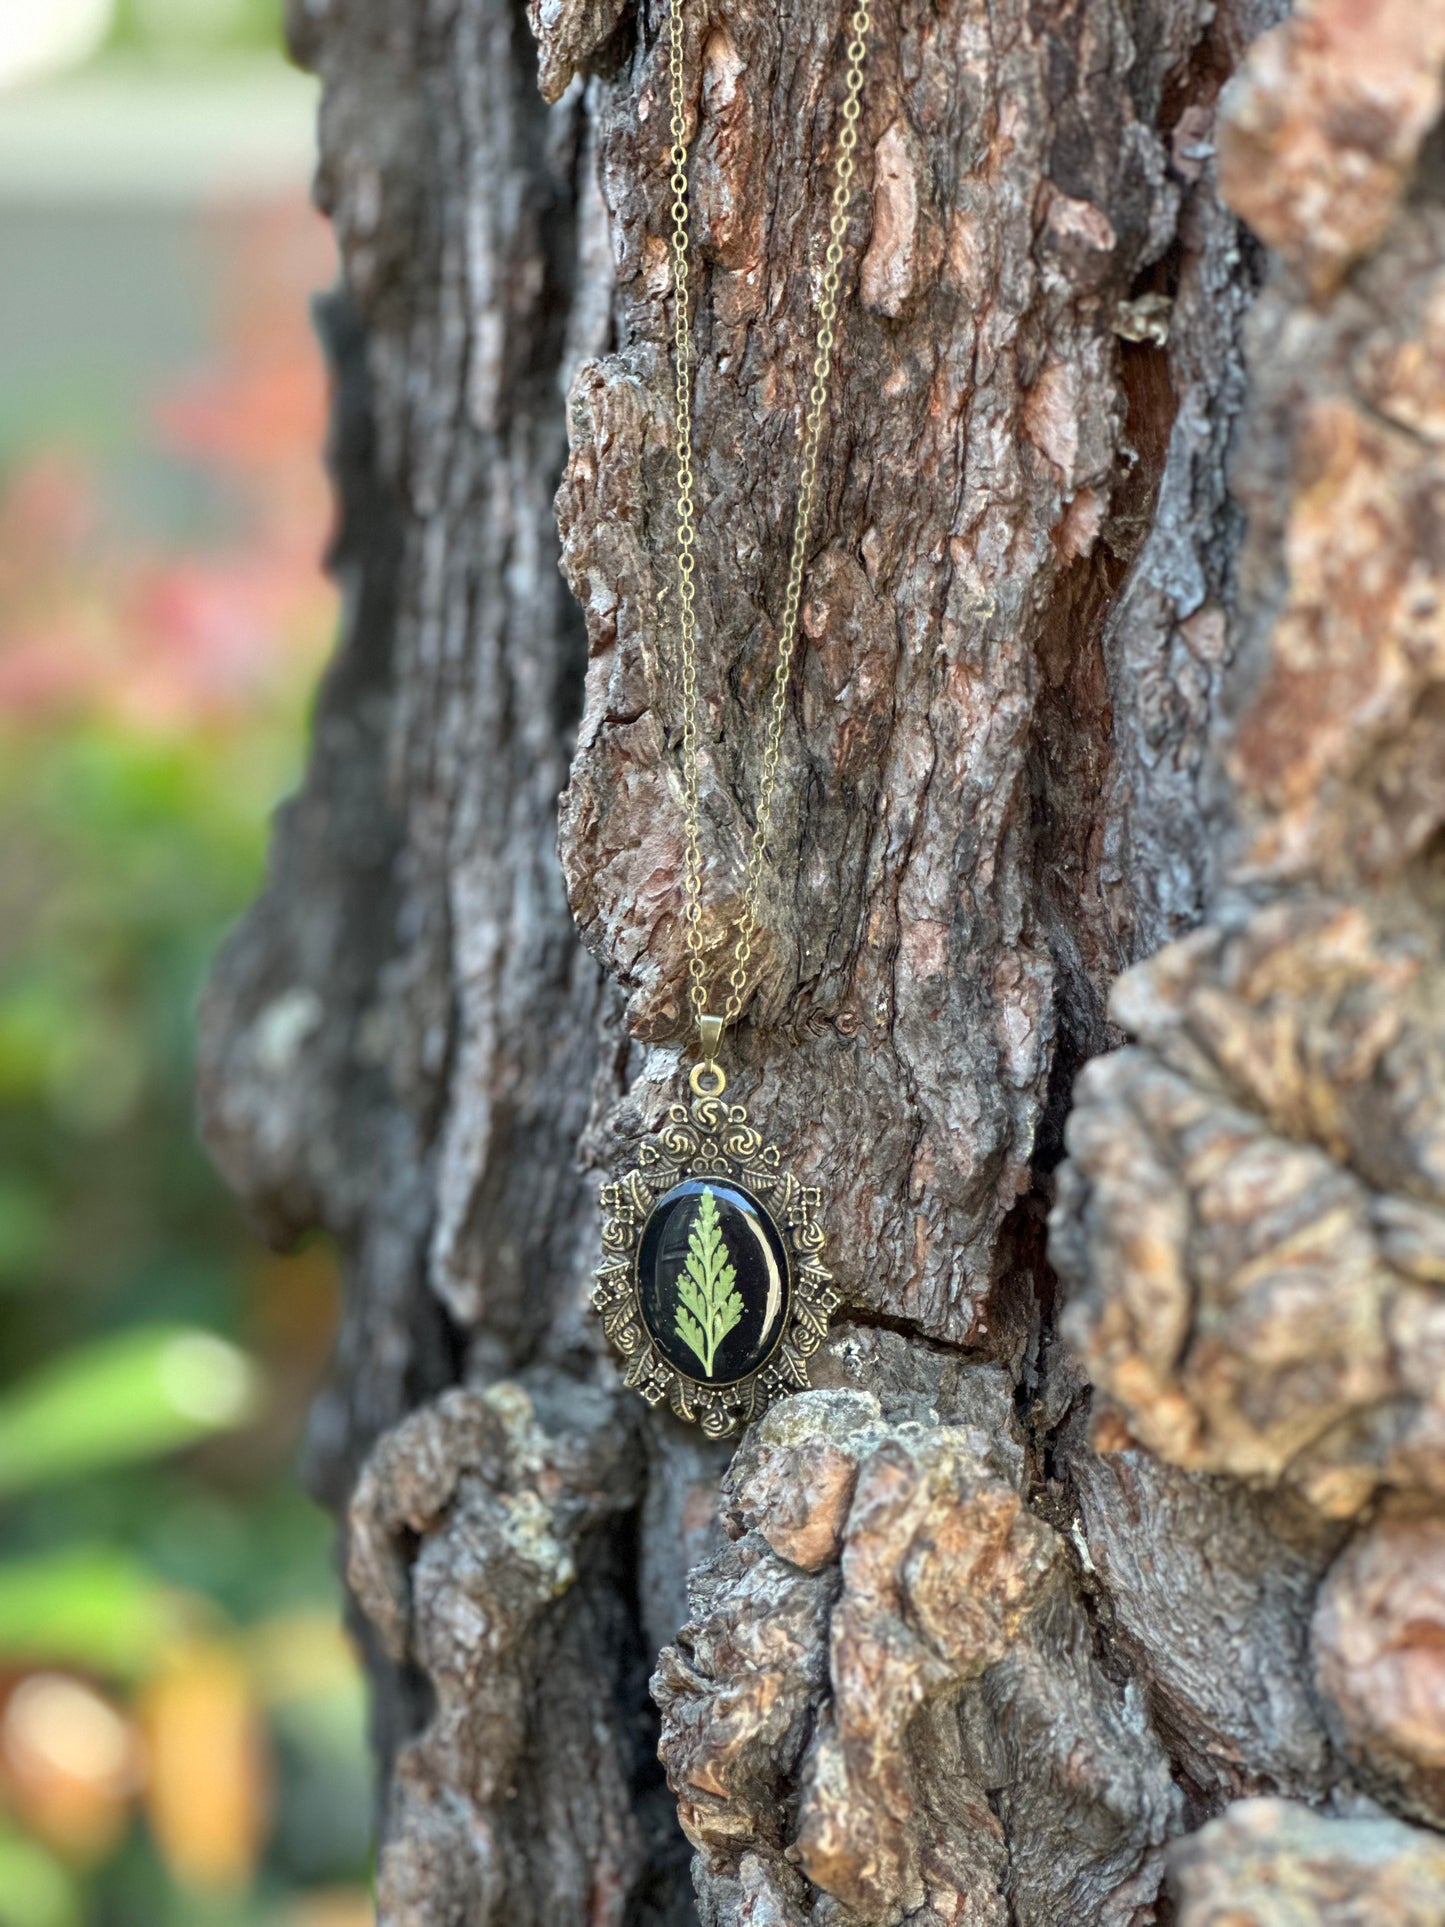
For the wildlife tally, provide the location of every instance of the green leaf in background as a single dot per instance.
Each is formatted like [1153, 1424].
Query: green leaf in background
[119, 1399]
[84, 1606]
[36, 1890]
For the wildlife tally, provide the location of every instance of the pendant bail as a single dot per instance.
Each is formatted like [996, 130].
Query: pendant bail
[709, 1036]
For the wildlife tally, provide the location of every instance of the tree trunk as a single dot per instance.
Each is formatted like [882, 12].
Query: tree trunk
[1101, 1577]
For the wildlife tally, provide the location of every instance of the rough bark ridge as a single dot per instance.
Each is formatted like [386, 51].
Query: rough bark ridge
[955, 1639]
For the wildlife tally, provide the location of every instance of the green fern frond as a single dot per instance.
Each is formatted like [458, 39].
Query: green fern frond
[709, 1304]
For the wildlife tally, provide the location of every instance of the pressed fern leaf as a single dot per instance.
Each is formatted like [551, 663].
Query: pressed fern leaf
[709, 1304]
[691, 1333]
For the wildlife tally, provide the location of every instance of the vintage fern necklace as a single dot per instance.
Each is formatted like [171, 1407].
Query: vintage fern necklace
[712, 1285]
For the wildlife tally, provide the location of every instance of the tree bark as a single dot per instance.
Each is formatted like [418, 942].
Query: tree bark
[1101, 1577]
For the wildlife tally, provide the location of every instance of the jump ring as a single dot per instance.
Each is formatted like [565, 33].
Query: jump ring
[717, 1079]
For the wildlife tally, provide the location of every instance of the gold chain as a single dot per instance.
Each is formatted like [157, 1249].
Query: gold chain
[710, 1028]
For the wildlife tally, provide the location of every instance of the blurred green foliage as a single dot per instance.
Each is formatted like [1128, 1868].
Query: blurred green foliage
[39, 1889]
[180, 1717]
[110, 1401]
[127, 851]
[94, 1607]
[169, 27]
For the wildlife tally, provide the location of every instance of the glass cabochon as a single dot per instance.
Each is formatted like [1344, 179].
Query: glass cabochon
[713, 1281]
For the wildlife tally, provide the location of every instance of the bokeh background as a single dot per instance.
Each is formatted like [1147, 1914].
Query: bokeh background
[181, 1724]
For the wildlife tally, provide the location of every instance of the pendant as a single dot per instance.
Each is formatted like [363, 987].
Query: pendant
[712, 1286]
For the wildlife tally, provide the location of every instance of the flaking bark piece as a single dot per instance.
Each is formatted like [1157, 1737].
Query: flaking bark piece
[476, 1552]
[887, 1684]
[1379, 1651]
[1323, 125]
[1271, 1863]
[1241, 1280]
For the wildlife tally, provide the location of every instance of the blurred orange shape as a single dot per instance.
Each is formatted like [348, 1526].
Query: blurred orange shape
[343, 1907]
[72, 1764]
[208, 1785]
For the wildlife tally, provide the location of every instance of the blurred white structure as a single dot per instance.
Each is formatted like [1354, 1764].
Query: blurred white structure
[39, 37]
[240, 129]
[118, 177]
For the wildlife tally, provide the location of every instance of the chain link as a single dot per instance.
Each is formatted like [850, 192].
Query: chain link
[827, 318]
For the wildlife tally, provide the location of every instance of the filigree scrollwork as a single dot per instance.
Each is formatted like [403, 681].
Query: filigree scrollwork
[712, 1139]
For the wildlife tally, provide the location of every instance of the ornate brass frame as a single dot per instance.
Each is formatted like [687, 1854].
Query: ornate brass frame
[712, 1138]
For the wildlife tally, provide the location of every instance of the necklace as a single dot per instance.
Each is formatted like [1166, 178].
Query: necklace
[712, 1285]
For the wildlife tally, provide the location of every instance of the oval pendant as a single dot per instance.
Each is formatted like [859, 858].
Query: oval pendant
[713, 1280]
[712, 1285]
